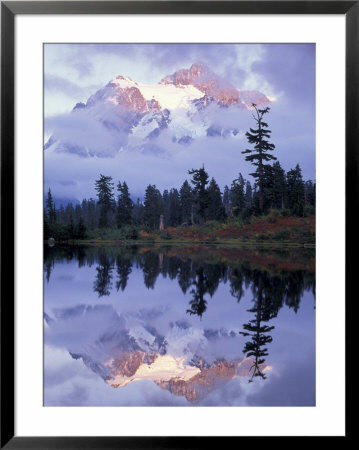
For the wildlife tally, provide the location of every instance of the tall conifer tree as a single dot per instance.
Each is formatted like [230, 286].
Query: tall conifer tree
[186, 200]
[124, 205]
[259, 156]
[215, 209]
[200, 181]
[50, 208]
[104, 187]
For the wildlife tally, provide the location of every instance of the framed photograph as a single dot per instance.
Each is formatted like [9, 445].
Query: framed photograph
[175, 182]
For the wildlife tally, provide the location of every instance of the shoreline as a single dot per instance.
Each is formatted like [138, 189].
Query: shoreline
[155, 242]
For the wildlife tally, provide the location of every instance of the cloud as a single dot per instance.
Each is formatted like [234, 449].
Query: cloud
[82, 132]
[53, 83]
[294, 386]
[289, 68]
[165, 163]
[68, 382]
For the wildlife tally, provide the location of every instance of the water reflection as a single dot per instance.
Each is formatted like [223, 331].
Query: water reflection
[188, 359]
[102, 284]
[198, 303]
[264, 309]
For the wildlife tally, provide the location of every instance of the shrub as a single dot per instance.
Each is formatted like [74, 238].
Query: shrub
[285, 212]
[263, 236]
[165, 235]
[281, 235]
[309, 210]
[273, 216]
[247, 214]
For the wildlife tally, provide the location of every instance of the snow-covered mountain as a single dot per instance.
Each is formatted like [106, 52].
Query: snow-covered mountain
[125, 114]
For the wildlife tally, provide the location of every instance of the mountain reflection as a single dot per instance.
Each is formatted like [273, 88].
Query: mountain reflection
[181, 357]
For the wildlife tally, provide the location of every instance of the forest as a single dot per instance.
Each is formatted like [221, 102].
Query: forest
[199, 200]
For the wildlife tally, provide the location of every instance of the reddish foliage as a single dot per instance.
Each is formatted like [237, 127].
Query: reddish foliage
[292, 260]
[293, 229]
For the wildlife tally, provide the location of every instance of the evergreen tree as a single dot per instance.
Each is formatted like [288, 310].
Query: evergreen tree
[279, 186]
[60, 214]
[309, 193]
[200, 181]
[78, 213]
[69, 213]
[124, 205]
[268, 188]
[70, 229]
[80, 231]
[166, 207]
[47, 230]
[92, 218]
[248, 196]
[186, 201]
[226, 200]
[50, 208]
[104, 187]
[138, 213]
[175, 208]
[153, 207]
[215, 209]
[259, 155]
[295, 191]
[237, 195]
[84, 210]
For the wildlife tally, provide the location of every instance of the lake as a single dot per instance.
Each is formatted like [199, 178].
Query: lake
[179, 326]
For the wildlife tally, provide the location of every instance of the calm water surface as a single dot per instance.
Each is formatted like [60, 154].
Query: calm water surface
[206, 326]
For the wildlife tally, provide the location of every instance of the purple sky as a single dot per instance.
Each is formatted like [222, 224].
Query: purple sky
[286, 72]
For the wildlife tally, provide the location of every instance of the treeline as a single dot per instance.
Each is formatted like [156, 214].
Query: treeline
[198, 200]
[186, 206]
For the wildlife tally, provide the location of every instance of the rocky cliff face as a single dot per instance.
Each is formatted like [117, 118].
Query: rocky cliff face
[204, 382]
[201, 77]
[209, 379]
[224, 93]
[127, 363]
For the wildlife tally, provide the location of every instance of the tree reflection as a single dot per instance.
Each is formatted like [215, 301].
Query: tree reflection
[48, 266]
[150, 265]
[123, 269]
[236, 283]
[102, 284]
[200, 276]
[198, 303]
[264, 309]
[186, 275]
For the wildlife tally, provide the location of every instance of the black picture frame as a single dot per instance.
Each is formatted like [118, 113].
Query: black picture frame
[8, 12]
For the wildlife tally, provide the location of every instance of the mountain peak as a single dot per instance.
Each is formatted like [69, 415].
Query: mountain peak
[198, 71]
[213, 86]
